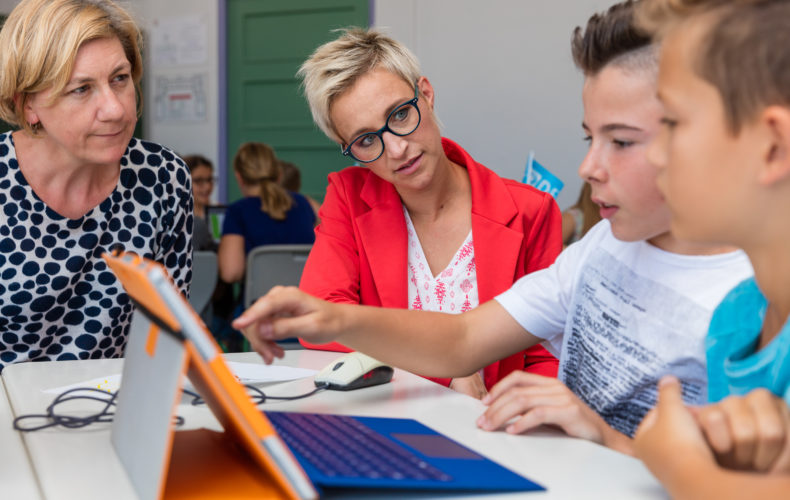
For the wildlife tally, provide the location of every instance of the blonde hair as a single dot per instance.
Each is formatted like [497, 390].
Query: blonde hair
[257, 164]
[335, 66]
[39, 43]
[741, 54]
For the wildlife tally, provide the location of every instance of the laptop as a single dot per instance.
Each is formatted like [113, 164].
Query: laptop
[301, 453]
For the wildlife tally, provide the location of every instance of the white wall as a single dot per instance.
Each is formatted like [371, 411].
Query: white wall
[504, 77]
[189, 137]
[502, 70]
[7, 5]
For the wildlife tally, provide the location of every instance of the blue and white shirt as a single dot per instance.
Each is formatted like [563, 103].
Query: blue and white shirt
[58, 299]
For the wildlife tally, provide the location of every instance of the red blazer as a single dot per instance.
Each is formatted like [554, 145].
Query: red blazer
[360, 251]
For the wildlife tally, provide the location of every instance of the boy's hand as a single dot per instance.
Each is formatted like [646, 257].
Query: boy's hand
[534, 400]
[669, 441]
[750, 432]
[471, 386]
[287, 312]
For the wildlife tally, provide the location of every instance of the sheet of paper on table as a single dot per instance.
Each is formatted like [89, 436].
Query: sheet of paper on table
[247, 373]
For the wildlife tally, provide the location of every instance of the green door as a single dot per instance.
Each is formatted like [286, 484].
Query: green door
[267, 41]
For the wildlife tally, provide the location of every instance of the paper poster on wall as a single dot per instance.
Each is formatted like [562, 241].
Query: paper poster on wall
[180, 98]
[180, 41]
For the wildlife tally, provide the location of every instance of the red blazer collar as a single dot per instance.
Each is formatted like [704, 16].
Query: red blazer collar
[497, 240]
[382, 230]
[497, 245]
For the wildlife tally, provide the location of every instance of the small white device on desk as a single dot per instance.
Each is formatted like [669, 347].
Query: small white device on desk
[353, 371]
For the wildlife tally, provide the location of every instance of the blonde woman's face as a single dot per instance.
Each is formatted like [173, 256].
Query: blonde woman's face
[409, 162]
[92, 120]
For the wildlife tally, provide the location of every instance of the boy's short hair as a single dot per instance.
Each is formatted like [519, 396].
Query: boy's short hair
[743, 53]
[39, 43]
[612, 37]
[335, 66]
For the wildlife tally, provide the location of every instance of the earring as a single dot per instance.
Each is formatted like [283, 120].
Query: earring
[35, 127]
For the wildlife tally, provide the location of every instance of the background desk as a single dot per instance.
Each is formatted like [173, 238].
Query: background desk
[81, 464]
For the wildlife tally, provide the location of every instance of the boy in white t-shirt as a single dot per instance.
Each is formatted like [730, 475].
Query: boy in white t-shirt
[622, 307]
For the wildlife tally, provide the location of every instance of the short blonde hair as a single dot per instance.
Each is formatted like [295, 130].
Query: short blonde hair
[256, 164]
[39, 43]
[741, 52]
[335, 66]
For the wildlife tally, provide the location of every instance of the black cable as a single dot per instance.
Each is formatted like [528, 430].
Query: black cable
[71, 422]
[54, 419]
[258, 396]
[68, 421]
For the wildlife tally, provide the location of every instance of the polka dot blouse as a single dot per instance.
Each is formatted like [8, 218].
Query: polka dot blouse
[58, 299]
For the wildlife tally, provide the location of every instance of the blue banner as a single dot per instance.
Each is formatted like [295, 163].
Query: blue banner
[539, 177]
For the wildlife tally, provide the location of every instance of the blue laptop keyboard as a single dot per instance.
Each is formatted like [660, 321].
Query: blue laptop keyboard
[340, 446]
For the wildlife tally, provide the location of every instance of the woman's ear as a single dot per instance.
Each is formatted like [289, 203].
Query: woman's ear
[426, 89]
[26, 103]
[776, 161]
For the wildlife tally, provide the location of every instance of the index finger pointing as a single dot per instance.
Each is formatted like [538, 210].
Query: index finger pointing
[262, 308]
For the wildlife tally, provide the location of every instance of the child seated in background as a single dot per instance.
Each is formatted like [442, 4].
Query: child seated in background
[624, 306]
[291, 179]
[267, 215]
[202, 185]
[724, 155]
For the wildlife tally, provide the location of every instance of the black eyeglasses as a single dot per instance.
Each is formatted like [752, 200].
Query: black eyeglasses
[198, 181]
[401, 121]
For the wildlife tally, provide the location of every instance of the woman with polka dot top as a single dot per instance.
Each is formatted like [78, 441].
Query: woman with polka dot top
[75, 184]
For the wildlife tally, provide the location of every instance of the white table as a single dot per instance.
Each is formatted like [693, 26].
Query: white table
[81, 464]
[16, 473]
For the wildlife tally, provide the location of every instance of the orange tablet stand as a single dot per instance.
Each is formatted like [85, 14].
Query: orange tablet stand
[166, 341]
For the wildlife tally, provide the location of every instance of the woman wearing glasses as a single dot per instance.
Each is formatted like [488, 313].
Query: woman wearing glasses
[419, 224]
[202, 172]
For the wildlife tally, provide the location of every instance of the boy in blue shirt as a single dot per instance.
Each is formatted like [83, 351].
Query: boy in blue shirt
[724, 160]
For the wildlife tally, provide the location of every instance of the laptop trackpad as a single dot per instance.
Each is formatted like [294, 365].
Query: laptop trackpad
[436, 446]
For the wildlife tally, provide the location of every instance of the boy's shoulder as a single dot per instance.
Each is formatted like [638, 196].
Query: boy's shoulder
[648, 260]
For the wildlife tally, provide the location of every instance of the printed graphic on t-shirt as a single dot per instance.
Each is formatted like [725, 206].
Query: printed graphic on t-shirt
[624, 333]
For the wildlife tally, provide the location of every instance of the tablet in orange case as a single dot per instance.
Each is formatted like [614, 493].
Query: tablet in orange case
[247, 460]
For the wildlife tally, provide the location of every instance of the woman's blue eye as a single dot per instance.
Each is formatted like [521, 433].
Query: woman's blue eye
[366, 141]
[79, 90]
[401, 114]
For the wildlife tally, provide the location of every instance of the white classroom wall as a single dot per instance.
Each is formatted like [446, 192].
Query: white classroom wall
[502, 70]
[191, 136]
[504, 77]
[7, 5]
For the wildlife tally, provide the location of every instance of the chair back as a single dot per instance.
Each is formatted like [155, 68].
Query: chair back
[204, 279]
[271, 265]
